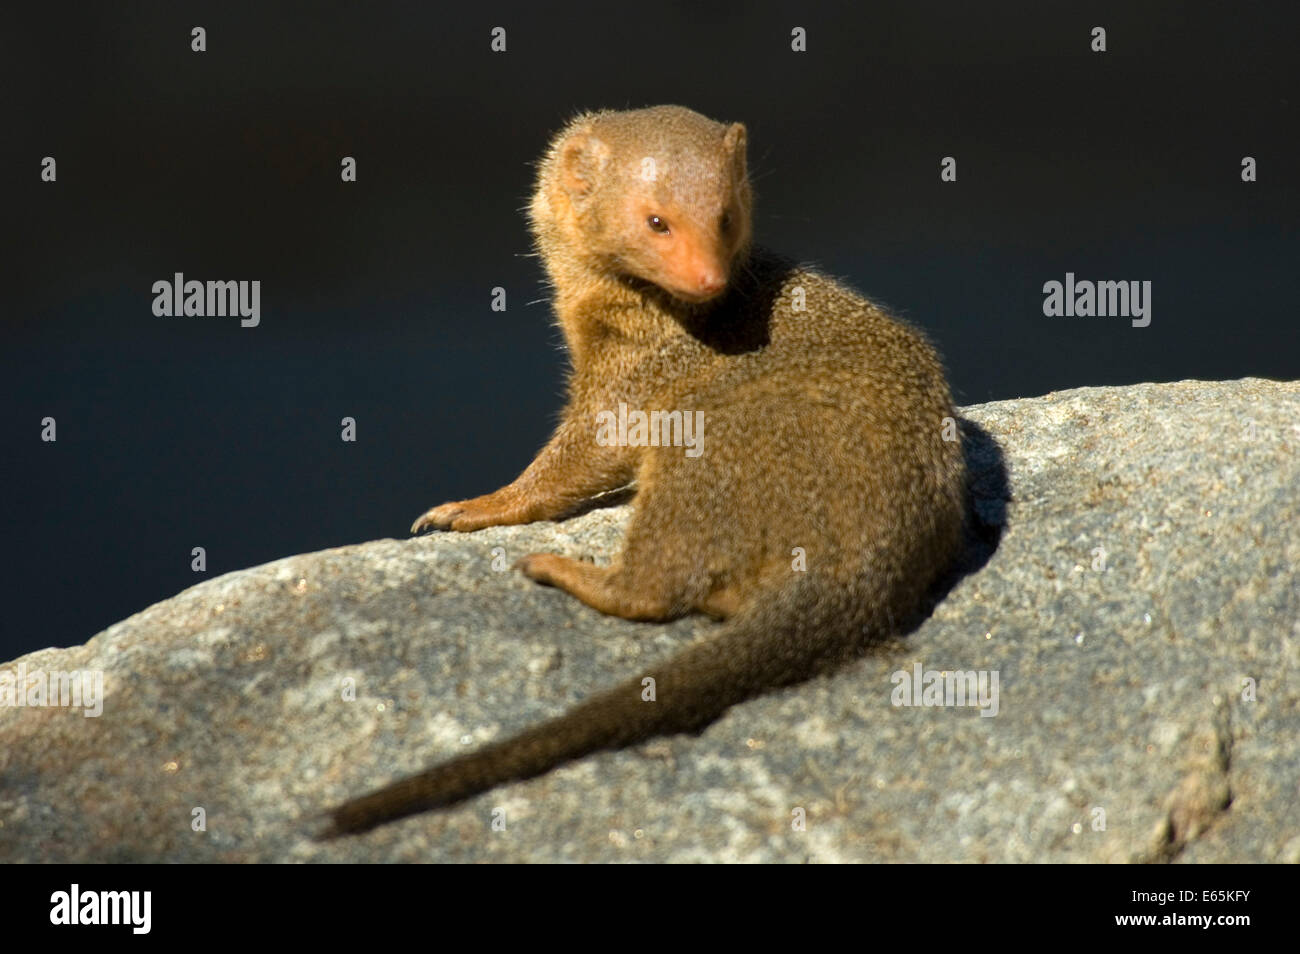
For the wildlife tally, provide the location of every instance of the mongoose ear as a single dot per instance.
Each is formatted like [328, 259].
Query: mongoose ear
[582, 159]
[734, 141]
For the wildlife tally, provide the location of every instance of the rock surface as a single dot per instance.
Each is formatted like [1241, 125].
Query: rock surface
[1140, 568]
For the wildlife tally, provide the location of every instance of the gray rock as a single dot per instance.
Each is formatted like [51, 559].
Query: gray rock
[1121, 683]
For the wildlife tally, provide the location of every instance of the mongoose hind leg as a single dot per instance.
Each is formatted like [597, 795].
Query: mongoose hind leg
[661, 573]
[722, 603]
[602, 588]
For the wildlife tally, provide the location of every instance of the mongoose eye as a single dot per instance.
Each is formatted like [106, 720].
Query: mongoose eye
[724, 223]
[657, 224]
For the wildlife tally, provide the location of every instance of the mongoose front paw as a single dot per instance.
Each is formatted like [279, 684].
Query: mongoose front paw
[436, 518]
[466, 515]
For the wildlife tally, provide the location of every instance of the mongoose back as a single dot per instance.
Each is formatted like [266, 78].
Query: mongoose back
[823, 430]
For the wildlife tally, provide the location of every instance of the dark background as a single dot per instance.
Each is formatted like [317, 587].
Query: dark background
[175, 433]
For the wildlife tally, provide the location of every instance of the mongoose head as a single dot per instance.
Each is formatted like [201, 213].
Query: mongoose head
[661, 195]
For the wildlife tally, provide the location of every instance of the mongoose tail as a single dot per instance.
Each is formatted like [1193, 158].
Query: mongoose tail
[787, 635]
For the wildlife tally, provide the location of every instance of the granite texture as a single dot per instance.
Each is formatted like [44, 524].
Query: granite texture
[1133, 564]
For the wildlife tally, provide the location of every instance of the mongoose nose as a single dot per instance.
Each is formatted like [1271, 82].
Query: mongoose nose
[710, 283]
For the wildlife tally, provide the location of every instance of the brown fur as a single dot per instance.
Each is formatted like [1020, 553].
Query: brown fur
[822, 431]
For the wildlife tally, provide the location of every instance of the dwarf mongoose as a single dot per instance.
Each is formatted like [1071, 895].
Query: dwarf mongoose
[823, 429]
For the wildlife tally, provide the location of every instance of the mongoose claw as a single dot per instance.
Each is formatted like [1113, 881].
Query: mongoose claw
[464, 516]
[438, 518]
